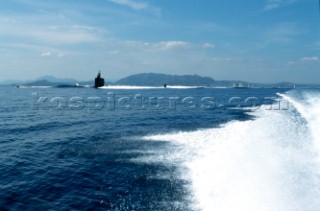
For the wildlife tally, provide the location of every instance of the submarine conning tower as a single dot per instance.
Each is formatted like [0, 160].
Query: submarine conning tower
[98, 82]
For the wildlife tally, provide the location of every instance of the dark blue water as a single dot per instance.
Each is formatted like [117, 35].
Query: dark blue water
[80, 151]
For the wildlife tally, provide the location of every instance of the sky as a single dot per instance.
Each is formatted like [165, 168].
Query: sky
[256, 41]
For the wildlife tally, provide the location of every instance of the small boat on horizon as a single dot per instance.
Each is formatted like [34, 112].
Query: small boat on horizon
[239, 86]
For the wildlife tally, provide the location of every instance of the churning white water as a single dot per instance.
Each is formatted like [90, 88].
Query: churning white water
[269, 163]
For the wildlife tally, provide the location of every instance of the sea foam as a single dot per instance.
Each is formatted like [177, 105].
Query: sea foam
[269, 163]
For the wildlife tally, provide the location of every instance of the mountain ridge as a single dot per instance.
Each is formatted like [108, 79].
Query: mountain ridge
[157, 79]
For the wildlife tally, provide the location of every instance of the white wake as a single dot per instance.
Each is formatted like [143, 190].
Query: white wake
[270, 163]
[149, 87]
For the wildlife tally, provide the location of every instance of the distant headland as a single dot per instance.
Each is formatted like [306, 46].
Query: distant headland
[155, 79]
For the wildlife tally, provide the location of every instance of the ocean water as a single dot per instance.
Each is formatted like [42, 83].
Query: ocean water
[159, 149]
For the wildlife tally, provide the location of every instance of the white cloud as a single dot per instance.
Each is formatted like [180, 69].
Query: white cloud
[227, 60]
[310, 59]
[208, 45]
[275, 4]
[305, 60]
[173, 44]
[132, 4]
[46, 54]
[164, 45]
[53, 54]
[32, 28]
[136, 5]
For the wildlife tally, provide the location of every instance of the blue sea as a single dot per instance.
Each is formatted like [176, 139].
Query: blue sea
[148, 148]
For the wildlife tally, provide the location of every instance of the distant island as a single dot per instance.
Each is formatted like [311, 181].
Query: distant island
[157, 79]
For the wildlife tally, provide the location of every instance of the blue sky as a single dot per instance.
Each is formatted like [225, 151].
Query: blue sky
[258, 41]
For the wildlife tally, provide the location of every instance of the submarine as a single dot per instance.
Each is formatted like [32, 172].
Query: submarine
[98, 81]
